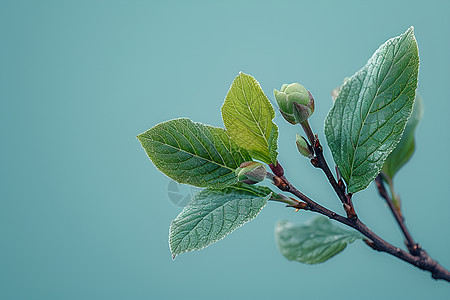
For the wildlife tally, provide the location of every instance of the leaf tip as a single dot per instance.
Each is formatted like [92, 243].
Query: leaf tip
[141, 137]
[410, 32]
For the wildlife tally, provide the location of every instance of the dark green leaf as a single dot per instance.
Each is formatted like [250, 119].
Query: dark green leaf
[404, 150]
[370, 113]
[194, 153]
[314, 242]
[213, 214]
[247, 115]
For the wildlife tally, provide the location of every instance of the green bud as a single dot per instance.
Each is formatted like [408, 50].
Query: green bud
[251, 172]
[303, 147]
[295, 102]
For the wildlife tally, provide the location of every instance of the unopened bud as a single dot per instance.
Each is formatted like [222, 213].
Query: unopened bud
[295, 102]
[251, 172]
[303, 147]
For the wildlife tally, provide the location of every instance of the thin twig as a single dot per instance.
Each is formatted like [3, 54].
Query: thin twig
[309, 133]
[346, 199]
[413, 247]
[319, 162]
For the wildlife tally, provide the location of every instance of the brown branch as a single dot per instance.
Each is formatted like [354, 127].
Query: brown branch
[422, 260]
[319, 162]
[413, 247]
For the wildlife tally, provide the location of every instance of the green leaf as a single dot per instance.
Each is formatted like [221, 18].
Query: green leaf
[194, 153]
[404, 150]
[247, 115]
[212, 214]
[370, 113]
[314, 242]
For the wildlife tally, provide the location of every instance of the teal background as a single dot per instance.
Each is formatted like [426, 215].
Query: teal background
[85, 215]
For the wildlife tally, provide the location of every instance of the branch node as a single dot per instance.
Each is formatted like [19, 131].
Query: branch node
[351, 214]
[414, 249]
[315, 162]
[280, 183]
[277, 169]
[371, 244]
[317, 145]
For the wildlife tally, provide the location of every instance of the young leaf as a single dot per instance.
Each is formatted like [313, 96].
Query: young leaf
[314, 242]
[212, 214]
[404, 150]
[193, 153]
[247, 115]
[370, 113]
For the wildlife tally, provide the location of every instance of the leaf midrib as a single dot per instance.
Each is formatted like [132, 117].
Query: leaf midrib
[261, 132]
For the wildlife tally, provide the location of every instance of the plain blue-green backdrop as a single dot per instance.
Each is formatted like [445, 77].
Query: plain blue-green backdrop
[85, 215]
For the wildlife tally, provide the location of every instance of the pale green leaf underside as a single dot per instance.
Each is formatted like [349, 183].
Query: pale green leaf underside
[314, 242]
[405, 148]
[247, 115]
[369, 115]
[194, 153]
[213, 214]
